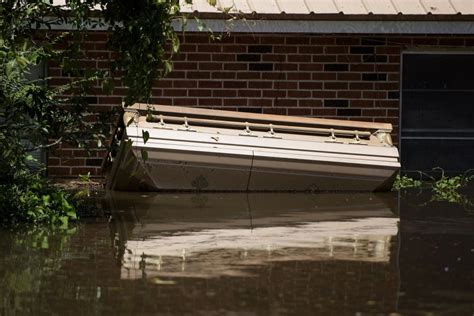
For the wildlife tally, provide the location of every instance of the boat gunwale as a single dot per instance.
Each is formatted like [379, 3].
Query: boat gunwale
[144, 109]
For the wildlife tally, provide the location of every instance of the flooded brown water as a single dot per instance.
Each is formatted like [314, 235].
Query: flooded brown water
[247, 254]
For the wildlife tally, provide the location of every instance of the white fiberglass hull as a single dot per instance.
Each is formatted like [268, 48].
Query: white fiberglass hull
[213, 159]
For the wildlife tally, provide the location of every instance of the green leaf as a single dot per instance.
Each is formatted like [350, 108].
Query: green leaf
[144, 154]
[168, 66]
[175, 44]
[145, 135]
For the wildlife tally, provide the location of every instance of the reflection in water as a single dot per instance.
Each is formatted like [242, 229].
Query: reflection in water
[262, 254]
[212, 235]
[187, 254]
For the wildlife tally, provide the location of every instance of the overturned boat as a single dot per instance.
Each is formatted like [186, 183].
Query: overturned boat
[169, 148]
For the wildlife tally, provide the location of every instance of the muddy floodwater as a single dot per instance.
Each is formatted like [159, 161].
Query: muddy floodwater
[248, 254]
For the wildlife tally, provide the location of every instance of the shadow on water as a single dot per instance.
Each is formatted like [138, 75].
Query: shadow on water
[259, 253]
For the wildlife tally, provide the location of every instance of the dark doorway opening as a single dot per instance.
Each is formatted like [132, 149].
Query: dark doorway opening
[437, 112]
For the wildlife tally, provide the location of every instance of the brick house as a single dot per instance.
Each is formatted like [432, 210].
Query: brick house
[406, 62]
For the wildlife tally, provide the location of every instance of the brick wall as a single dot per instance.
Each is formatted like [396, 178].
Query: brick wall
[353, 77]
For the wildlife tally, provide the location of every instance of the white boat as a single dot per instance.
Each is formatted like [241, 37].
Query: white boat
[166, 148]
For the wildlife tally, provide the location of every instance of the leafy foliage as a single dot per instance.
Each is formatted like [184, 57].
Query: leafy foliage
[443, 188]
[403, 182]
[34, 200]
[34, 116]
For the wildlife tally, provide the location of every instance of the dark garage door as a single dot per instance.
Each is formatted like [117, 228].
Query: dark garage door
[437, 112]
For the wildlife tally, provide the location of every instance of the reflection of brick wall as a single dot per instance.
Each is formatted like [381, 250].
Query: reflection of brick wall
[347, 77]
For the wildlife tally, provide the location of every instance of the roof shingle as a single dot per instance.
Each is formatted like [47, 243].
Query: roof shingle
[346, 7]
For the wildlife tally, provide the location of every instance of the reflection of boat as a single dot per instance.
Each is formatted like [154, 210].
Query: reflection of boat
[213, 234]
[176, 148]
[161, 212]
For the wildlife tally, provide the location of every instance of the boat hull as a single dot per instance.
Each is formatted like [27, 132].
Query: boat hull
[173, 157]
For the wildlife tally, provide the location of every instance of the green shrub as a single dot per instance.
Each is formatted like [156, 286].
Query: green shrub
[35, 200]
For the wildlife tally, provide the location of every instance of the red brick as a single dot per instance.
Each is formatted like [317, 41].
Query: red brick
[285, 49]
[374, 94]
[361, 85]
[184, 84]
[260, 84]
[188, 47]
[223, 57]
[274, 58]
[348, 76]
[310, 50]
[177, 75]
[393, 113]
[225, 93]
[300, 112]
[250, 93]
[361, 104]
[209, 84]
[324, 58]
[349, 58]
[297, 40]
[374, 112]
[185, 65]
[299, 94]
[311, 85]
[310, 102]
[235, 102]
[174, 93]
[198, 57]
[185, 101]
[234, 49]
[195, 38]
[198, 92]
[336, 50]
[324, 112]
[286, 67]
[388, 50]
[310, 67]
[210, 102]
[274, 76]
[285, 85]
[235, 84]
[260, 102]
[272, 40]
[210, 66]
[278, 111]
[336, 85]
[286, 102]
[209, 48]
[387, 103]
[274, 94]
[324, 94]
[223, 75]
[388, 68]
[247, 39]
[198, 74]
[349, 94]
[323, 76]
[248, 75]
[299, 58]
[362, 67]
[299, 76]
[323, 40]
[235, 66]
